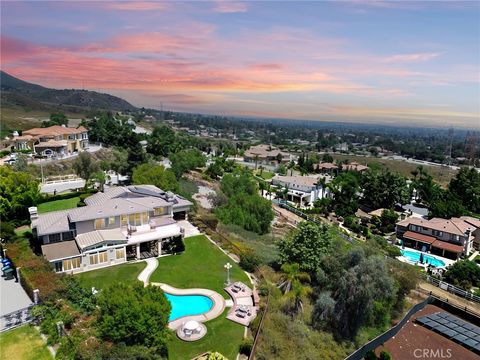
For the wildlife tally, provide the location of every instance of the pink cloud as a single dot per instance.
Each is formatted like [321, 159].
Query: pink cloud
[405, 58]
[228, 6]
[136, 5]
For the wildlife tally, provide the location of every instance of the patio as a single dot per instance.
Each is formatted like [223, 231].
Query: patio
[243, 310]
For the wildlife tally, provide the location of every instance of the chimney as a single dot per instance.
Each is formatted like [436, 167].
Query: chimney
[33, 212]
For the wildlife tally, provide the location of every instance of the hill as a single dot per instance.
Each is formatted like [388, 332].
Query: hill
[16, 93]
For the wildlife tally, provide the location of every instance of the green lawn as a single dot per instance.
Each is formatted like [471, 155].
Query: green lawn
[266, 175]
[58, 205]
[200, 266]
[223, 336]
[101, 278]
[23, 343]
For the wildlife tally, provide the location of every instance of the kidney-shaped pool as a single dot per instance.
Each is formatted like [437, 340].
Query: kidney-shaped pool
[186, 305]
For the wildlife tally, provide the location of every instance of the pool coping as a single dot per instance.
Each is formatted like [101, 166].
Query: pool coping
[216, 310]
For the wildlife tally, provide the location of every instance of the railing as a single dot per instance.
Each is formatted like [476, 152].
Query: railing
[284, 205]
[359, 354]
[451, 288]
[259, 330]
[16, 318]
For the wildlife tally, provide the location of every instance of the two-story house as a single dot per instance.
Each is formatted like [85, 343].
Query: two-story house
[54, 140]
[267, 155]
[120, 224]
[303, 190]
[448, 238]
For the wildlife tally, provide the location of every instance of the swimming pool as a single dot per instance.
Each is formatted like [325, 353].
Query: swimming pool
[414, 256]
[185, 305]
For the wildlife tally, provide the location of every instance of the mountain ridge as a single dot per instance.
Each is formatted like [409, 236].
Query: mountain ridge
[19, 93]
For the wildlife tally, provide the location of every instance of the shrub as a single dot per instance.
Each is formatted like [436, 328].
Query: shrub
[393, 251]
[245, 347]
[385, 355]
[176, 245]
[249, 261]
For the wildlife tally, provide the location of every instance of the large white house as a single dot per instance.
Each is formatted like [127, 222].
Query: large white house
[303, 190]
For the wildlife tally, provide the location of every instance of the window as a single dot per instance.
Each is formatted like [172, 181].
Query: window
[99, 223]
[158, 211]
[120, 253]
[138, 220]
[102, 257]
[144, 217]
[70, 264]
[58, 266]
[93, 259]
[111, 220]
[54, 238]
[123, 220]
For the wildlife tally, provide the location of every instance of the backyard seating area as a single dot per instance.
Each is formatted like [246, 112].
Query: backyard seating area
[243, 310]
[191, 331]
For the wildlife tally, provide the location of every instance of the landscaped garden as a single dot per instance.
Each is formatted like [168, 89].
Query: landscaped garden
[56, 205]
[23, 343]
[200, 266]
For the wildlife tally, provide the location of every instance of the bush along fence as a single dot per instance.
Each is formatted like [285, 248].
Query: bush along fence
[451, 288]
[469, 315]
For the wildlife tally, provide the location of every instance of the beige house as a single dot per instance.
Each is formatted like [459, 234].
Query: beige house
[448, 238]
[267, 155]
[53, 140]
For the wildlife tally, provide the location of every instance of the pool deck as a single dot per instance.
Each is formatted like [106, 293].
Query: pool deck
[216, 310]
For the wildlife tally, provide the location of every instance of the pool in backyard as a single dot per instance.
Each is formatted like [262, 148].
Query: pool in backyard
[186, 305]
[414, 256]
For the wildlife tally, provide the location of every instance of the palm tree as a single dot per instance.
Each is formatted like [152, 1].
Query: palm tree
[262, 185]
[322, 182]
[293, 287]
[290, 166]
[292, 274]
[285, 193]
[256, 162]
[294, 298]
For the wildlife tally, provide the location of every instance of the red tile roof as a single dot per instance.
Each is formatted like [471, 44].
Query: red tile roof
[419, 237]
[54, 131]
[448, 246]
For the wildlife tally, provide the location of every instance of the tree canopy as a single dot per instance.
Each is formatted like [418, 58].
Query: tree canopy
[243, 205]
[384, 189]
[155, 175]
[466, 186]
[186, 160]
[134, 315]
[18, 191]
[463, 273]
[305, 246]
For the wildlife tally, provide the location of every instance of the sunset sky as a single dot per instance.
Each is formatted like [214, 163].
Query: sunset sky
[405, 63]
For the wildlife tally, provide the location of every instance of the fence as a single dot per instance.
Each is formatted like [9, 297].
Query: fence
[297, 212]
[16, 318]
[451, 288]
[259, 330]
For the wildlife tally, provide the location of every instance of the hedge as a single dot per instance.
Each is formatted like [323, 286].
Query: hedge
[82, 194]
[36, 272]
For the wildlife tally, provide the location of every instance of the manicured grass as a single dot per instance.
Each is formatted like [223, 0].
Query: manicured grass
[58, 205]
[223, 336]
[266, 175]
[200, 266]
[23, 343]
[101, 278]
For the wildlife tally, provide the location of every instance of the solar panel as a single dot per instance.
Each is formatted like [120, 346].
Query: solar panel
[453, 328]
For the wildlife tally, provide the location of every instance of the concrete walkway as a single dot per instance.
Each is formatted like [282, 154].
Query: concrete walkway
[152, 264]
[12, 296]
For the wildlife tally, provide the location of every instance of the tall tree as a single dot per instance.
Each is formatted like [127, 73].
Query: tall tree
[155, 175]
[84, 166]
[466, 186]
[384, 189]
[305, 246]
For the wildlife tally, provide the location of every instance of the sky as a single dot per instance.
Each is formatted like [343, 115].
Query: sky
[396, 63]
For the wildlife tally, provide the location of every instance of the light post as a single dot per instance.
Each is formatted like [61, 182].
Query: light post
[228, 266]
